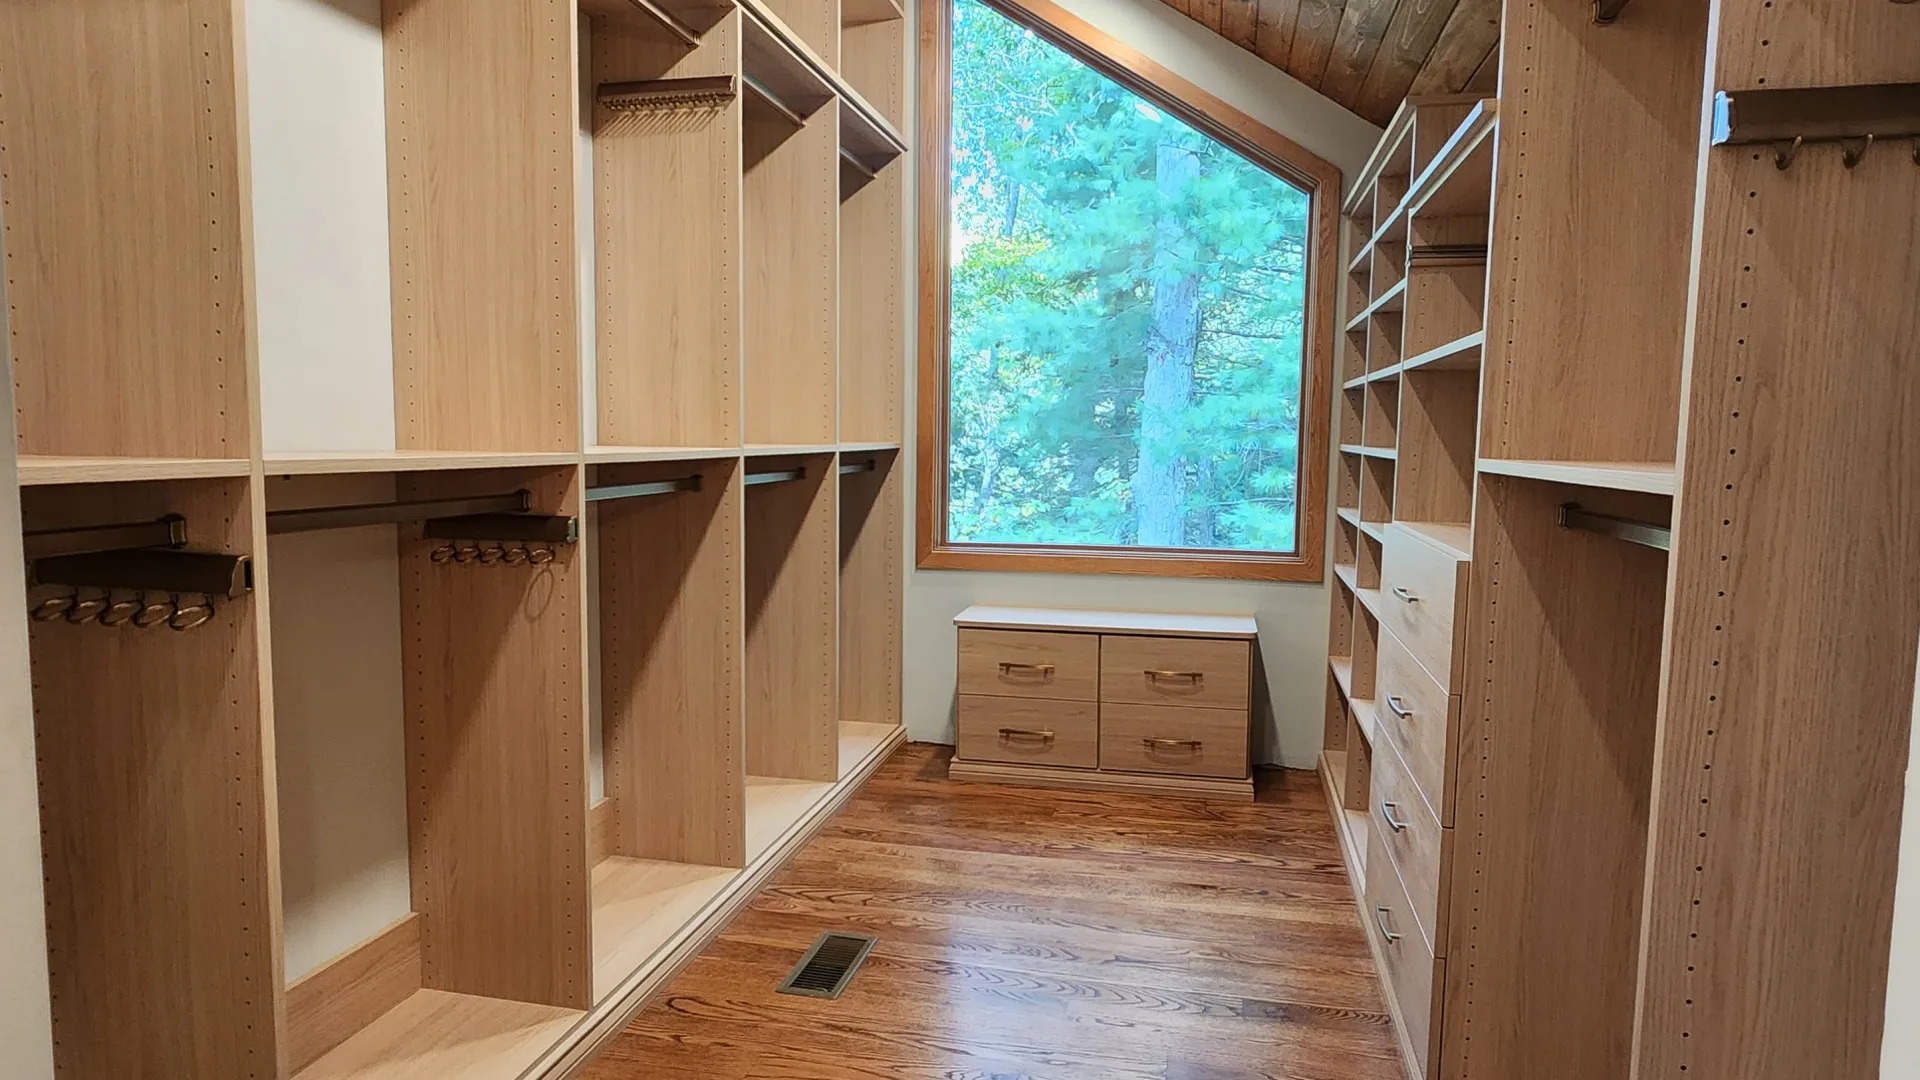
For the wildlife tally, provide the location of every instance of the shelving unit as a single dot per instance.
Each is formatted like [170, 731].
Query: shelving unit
[517, 684]
[1573, 629]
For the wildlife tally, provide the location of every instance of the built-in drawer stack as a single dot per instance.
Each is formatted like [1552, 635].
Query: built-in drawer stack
[1105, 699]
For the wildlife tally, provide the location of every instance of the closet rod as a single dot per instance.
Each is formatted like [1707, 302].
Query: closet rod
[636, 491]
[787, 112]
[756, 478]
[168, 532]
[155, 569]
[394, 513]
[1619, 528]
[859, 467]
[850, 158]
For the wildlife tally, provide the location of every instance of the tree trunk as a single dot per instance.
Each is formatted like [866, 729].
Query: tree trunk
[1172, 340]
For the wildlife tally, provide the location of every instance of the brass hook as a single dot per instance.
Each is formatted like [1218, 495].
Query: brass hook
[1851, 153]
[1785, 152]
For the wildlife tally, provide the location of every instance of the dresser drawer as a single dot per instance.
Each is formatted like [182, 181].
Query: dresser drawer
[1420, 721]
[1173, 739]
[1207, 673]
[1024, 731]
[1413, 837]
[1420, 589]
[1410, 973]
[1021, 663]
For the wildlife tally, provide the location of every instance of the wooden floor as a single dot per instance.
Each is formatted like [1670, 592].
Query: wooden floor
[1027, 933]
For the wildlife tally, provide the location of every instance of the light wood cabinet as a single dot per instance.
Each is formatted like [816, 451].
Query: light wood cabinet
[1126, 701]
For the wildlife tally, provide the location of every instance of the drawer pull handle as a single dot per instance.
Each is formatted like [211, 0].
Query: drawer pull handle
[1406, 594]
[1399, 707]
[1152, 743]
[1156, 676]
[1386, 811]
[1008, 667]
[1011, 734]
[1380, 920]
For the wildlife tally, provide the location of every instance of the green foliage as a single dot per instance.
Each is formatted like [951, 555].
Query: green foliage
[1063, 222]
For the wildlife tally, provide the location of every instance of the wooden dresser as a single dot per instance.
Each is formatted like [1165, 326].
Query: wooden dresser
[1106, 699]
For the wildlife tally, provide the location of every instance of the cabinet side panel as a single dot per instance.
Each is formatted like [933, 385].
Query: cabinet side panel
[792, 606]
[871, 592]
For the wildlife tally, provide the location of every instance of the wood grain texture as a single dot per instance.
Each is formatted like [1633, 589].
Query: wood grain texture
[1787, 701]
[156, 821]
[1363, 24]
[667, 236]
[793, 630]
[792, 227]
[353, 990]
[873, 60]
[1427, 737]
[1421, 851]
[481, 127]
[1555, 768]
[1157, 785]
[638, 906]
[1596, 380]
[1406, 47]
[125, 251]
[1438, 422]
[1040, 933]
[1273, 31]
[872, 591]
[1176, 740]
[1407, 964]
[873, 377]
[434, 1035]
[1314, 30]
[1031, 664]
[1471, 34]
[1176, 671]
[497, 800]
[673, 668]
[815, 22]
[1262, 144]
[1027, 731]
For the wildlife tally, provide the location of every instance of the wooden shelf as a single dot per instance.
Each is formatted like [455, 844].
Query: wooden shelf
[984, 616]
[1391, 143]
[1350, 577]
[753, 450]
[1460, 354]
[867, 447]
[860, 740]
[1459, 182]
[1394, 299]
[1351, 516]
[433, 1035]
[1351, 825]
[397, 461]
[867, 12]
[1384, 453]
[685, 21]
[1455, 540]
[774, 57]
[865, 136]
[618, 455]
[638, 906]
[59, 469]
[1653, 477]
[774, 806]
[1364, 714]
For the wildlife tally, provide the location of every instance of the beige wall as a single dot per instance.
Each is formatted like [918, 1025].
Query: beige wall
[1900, 1053]
[1292, 618]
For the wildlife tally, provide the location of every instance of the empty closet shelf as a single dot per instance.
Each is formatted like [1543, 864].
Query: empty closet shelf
[38, 469]
[311, 463]
[433, 1035]
[776, 61]
[639, 905]
[776, 806]
[1654, 477]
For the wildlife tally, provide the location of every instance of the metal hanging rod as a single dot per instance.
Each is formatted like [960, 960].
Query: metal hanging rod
[852, 161]
[859, 467]
[701, 92]
[395, 513]
[1855, 116]
[167, 532]
[1448, 253]
[786, 111]
[1634, 532]
[781, 477]
[638, 491]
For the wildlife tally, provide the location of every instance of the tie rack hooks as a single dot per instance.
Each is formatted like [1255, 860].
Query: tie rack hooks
[1856, 117]
[131, 574]
[487, 530]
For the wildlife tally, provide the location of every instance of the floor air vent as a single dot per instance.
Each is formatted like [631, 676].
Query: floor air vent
[828, 967]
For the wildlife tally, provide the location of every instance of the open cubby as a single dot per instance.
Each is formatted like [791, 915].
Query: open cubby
[1446, 300]
[791, 191]
[872, 306]
[1368, 563]
[1383, 340]
[1438, 424]
[668, 226]
[1353, 402]
[872, 579]
[155, 797]
[1353, 353]
[1346, 543]
[1346, 486]
[1376, 489]
[1389, 266]
[873, 55]
[1382, 413]
[792, 627]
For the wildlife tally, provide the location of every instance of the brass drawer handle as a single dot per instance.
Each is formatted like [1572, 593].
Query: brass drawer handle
[1190, 676]
[1008, 667]
[1010, 734]
[1386, 811]
[1406, 594]
[1152, 743]
[1399, 707]
[1380, 920]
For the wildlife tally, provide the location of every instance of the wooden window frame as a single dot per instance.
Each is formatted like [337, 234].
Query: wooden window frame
[1260, 144]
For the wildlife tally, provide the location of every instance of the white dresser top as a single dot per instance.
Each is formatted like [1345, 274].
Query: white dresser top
[1070, 620]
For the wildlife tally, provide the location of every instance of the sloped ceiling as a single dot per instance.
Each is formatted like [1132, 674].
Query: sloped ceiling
[1366, 55]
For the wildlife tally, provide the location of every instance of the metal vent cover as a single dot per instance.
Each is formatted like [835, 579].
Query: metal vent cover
[828, 966]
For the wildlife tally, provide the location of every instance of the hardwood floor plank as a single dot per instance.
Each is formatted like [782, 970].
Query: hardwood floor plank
[1036, 934]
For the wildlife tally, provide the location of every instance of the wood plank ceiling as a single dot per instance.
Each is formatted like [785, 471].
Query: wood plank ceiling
[1366, 55]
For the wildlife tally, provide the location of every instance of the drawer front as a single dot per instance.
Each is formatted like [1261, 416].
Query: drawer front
[1173, 739]
[1019, 663]
[1411, 972]
[1420, 590]
[1209, 674]
[1413, 837]
[1020, 731]
[1420, 721]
